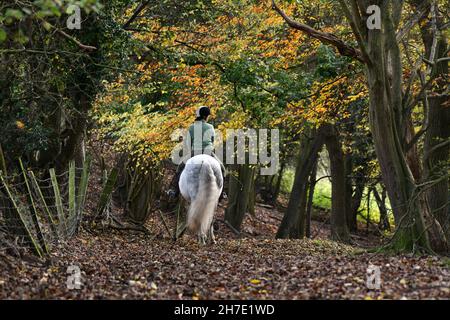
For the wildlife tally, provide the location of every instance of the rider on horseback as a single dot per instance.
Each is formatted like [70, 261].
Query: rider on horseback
[201, 136]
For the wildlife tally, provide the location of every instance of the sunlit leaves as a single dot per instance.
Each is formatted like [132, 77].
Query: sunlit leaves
[239, 58]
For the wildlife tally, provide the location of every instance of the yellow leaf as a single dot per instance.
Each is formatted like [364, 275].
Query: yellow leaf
[20, 124]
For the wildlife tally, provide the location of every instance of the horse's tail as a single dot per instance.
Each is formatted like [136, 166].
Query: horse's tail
[202, 208]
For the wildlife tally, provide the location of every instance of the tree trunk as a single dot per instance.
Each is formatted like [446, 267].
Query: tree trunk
[339, 229]
[239, 195]
[137, 191]
[415, 224]
[76, 134]
[298, 230]
[310, 146]
[435, 158]
[351, 220]
[252, 197]
[381, 203]
[312, 187]
[384, 109]
[396, 175]
[276, 191]
[360, 184]
[436, 162]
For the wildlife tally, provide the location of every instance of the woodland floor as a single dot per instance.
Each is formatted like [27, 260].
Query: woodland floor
[130, 265]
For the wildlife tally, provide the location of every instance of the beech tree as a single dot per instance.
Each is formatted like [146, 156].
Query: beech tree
[390, 112]
[436, 128]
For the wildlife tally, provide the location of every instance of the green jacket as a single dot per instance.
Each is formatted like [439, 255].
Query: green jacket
[201, 135]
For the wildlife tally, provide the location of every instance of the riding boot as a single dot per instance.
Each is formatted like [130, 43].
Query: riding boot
[174, 190]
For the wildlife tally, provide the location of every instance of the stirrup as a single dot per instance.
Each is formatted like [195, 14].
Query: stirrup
[172, 194]
[223, 196]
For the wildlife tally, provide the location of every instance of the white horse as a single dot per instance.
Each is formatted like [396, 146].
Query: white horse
[201, 184]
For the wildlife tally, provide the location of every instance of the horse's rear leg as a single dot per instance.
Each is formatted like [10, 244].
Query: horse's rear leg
[211, 234]
[202, 238]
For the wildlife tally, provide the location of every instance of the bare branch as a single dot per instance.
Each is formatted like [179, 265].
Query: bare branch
[355, 20]
[435, 34]
[407, 26]
[78, 43]
[325, 37]
[436, 147]
[419, 134]
[64, 34]
[136, 13]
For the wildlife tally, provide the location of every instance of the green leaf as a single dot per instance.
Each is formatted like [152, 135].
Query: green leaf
[47, 25]
[17, 14]
[3, 35]
[20, 37]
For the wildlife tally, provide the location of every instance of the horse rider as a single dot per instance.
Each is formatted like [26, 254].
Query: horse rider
[201, 137]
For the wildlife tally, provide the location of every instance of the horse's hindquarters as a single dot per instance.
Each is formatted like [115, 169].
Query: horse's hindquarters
[201, 184]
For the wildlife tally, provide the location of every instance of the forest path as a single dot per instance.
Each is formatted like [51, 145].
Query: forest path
[117, 265]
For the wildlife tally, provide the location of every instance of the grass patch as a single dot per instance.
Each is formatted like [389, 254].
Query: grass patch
[322, 197]
[446, 262]
[287, 181]
[322, 194]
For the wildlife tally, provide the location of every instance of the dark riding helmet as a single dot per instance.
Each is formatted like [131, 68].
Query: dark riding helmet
[202, 112]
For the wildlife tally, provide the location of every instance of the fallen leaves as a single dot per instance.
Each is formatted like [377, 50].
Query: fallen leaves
[117, 265]
[232, 269]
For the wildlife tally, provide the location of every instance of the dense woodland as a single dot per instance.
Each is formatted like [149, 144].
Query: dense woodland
[87, 125]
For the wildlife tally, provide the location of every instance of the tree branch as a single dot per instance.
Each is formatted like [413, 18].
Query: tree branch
[135, 14]
[74, 40]
[325, 37]
[407, 26]
[78, 43]
[356, 24]
[436, 147]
